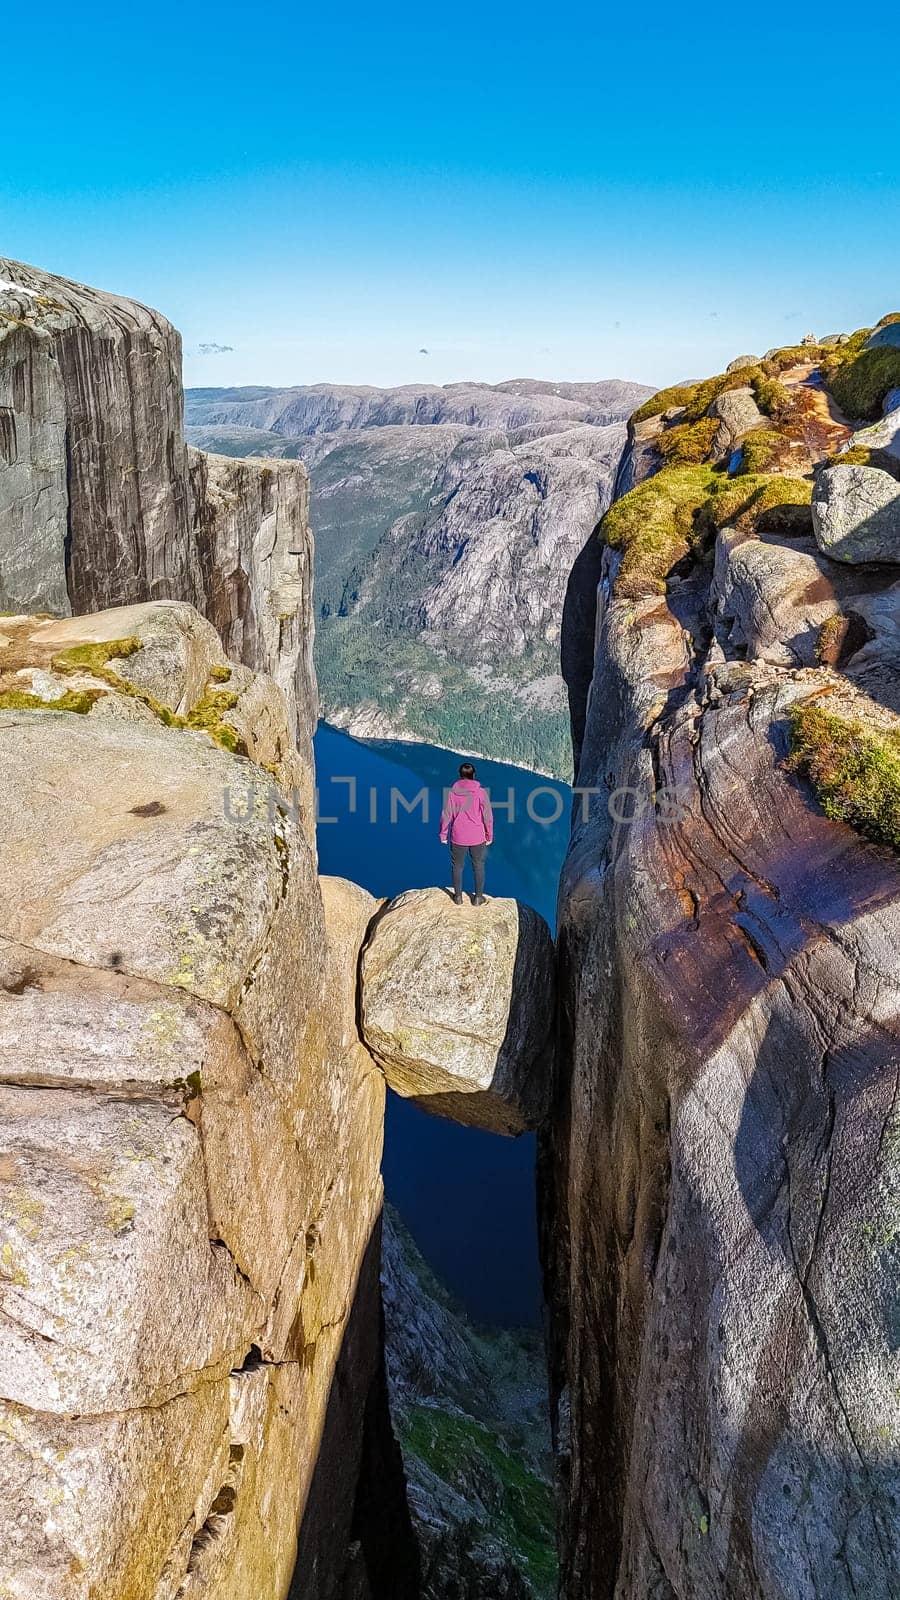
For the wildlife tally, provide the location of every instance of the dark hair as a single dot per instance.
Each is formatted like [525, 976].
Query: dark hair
[467, 770]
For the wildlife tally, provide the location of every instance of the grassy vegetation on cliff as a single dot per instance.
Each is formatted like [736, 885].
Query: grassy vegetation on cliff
[860, 385]
[654, 526]
[679, 510]
[206, 715]
[689, 444]
[854, 769]
[76, 700]
[695, 399]
[763, 450]
[464, 1451]
[762, 503]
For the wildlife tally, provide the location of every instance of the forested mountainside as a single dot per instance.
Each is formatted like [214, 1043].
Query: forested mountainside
[721, 1170]
[446, 523]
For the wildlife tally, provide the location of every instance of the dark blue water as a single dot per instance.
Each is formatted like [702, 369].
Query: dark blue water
[467, 1197]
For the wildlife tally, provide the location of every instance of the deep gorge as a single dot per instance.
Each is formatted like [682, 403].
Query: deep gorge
[194, 1396]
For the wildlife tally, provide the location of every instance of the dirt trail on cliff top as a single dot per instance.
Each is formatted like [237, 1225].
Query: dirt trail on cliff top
[814, 417]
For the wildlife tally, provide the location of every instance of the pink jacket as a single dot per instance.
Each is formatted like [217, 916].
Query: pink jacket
[467, 815]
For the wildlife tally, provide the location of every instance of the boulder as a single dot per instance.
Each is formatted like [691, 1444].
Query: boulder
[457, 1007]
[856, 514]
[738, 413]
[740, 362]
[160, 664]
[887, 334]
[883, 435]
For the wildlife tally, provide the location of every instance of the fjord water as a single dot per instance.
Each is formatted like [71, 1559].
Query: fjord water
[466, 1196]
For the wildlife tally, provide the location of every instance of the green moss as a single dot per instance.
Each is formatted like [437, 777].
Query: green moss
[860, 384]
[762, 450]
[664, 400]
[688, 444]
[860, 455]
[854, 769]
[460, 1450]
[771, 396]
[95, 658]
[696, 398]
[705, 393]
[654, 526]
[793, 355]
[77, 700]
[208, 714]
[764, 503]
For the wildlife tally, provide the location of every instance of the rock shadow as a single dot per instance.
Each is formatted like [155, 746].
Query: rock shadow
[372, 1552]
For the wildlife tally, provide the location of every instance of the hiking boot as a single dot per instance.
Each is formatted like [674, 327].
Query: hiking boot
[457, 900]
[479, 900]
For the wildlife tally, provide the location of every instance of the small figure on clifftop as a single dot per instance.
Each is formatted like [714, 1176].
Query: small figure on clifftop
[468, 821]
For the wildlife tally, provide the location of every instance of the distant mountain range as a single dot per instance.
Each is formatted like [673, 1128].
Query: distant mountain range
[447, 521]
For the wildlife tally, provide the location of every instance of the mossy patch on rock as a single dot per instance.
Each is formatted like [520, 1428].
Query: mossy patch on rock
[654, 526]
[676, 396]
[462, 1451]
[764, 503]
[764, 450]
[77, 700]
[863, 455]
[859, 385]
[206, 715]
[854, 769]
[695, 399]
[689, 443]
[95, 657]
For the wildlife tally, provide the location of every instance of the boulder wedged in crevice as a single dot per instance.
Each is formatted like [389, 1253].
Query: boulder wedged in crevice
[456, 1005]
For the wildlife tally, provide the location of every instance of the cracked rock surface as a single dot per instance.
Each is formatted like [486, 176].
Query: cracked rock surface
[190, 1141]
[102, 504]
[721, 1170]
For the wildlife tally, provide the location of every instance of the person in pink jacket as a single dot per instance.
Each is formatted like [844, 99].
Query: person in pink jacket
[468, 822]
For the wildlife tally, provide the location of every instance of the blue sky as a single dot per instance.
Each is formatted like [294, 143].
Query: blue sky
[561, 192]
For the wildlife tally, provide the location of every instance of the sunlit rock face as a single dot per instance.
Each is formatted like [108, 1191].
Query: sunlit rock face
[857, 514]
[720, 1175]
[102, 504]
[457, 1006]
[190, 1134]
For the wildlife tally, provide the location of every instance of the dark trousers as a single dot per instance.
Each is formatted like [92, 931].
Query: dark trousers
[475, 852]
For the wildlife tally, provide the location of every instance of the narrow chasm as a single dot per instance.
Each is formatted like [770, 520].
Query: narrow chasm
[461, 1282]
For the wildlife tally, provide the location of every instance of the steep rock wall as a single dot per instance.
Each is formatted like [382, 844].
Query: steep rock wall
[190, 1137]
[719, 1188]
[101, 504]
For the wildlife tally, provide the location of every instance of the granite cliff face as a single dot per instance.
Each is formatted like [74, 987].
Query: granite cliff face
[447, 521]
[102, 504]
[191, 1131]
[720, 1182]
